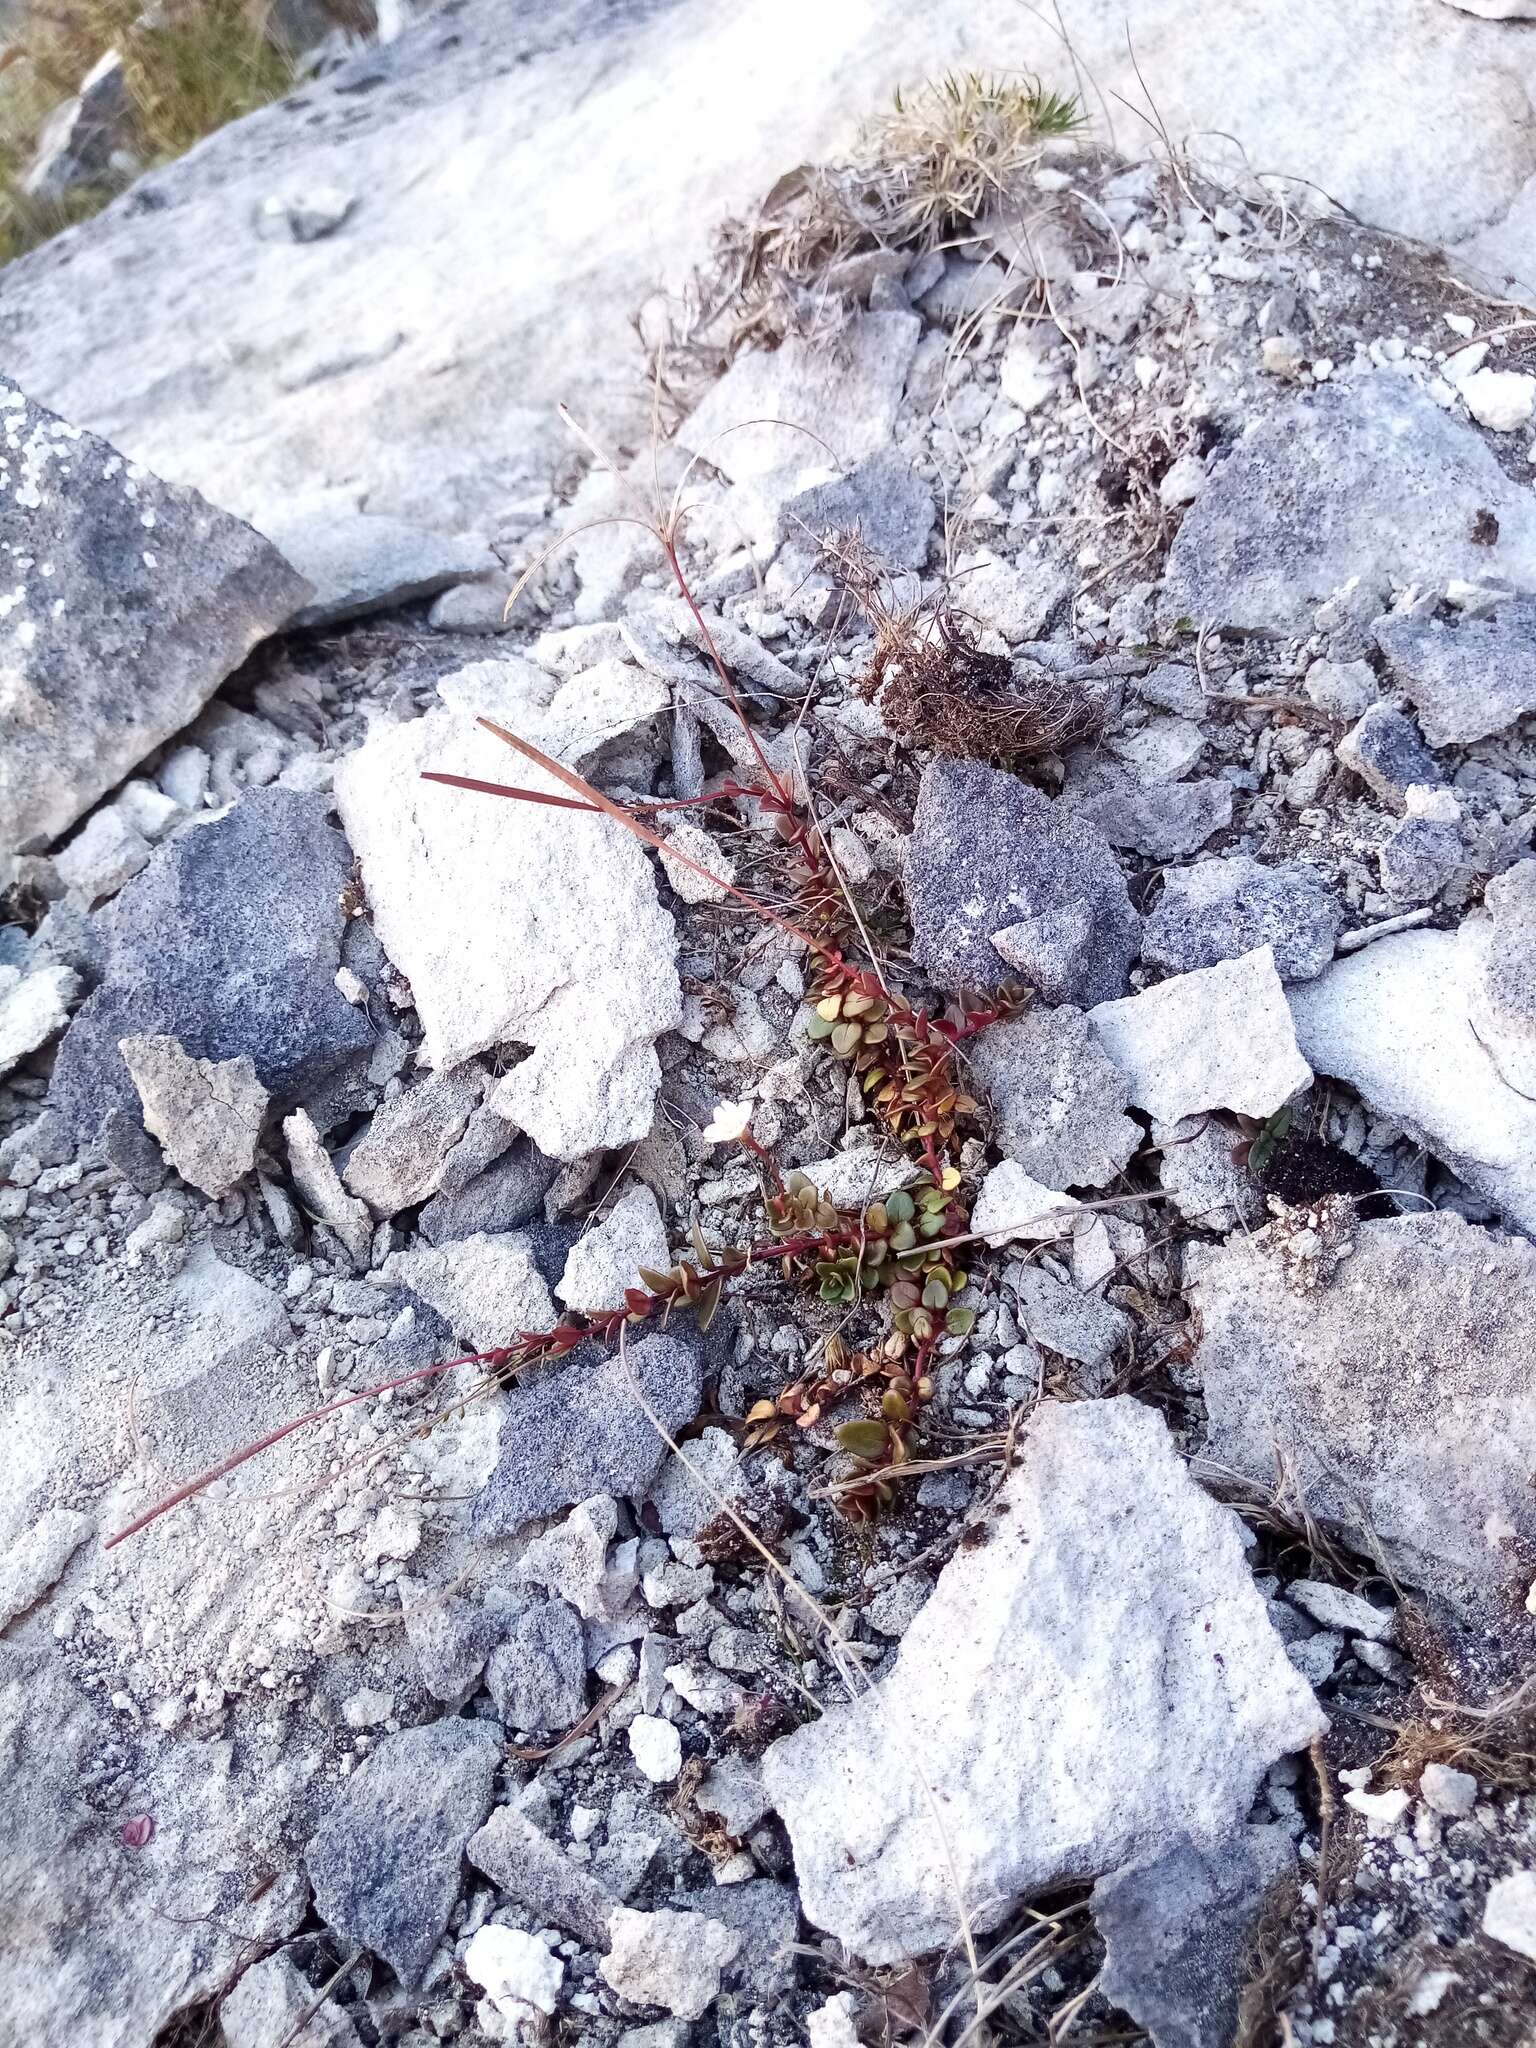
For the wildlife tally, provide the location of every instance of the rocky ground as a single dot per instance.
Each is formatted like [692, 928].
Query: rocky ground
[1180, 693]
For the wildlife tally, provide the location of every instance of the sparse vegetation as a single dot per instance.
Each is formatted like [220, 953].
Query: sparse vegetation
[187, 70]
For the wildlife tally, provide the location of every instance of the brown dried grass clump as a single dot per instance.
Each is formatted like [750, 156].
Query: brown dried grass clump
[938, 689]
[925, 171]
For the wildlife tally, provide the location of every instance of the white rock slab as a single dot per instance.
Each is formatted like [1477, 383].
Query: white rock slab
[487, 1287]
[668, 1959]
[1218, 1038]
[516, 924]
[1394, 1021]
[1097, 1677]
[1012, 1207]
[607, 1260]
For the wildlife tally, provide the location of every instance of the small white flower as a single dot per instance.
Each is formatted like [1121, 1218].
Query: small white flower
[730, 1122]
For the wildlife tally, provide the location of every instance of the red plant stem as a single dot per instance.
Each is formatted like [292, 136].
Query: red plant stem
[732, 1262]
[265, 1443]
[669, 549]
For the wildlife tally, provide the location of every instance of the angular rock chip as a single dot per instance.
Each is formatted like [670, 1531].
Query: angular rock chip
[1177, 1928]
[607, 1260]
[388, 1859]
[847, 397]
[1219, 1038]
[668, 1959]
[1098, 1678]
[358, 563]
[229, 943]
[1465, 681]
[517, 923]
[1399, 1394]
[33, 1008]
[1057, 1099]
[207, 1114]
[579, 1429]
[522, 1861]
[1384, 749]
[315, 1177]
[998, 877]
[1372, 480]
[399, 1159]
[537, 1676]
[1164, 820]
[137, 600]
[1398, 1021]
[484, 1288]
[1219, 909]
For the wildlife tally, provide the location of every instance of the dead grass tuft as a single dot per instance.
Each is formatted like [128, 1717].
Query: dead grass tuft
[1495, 1742]
[917, 175]
[937, 688]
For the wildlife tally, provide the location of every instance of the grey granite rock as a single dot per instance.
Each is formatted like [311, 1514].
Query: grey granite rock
[1164, 820]
[228, 942]
[1386, 751]
[506, 1195]
[1399, 1394]
[989, 855]
[578, 1429]
[148, 600]
[537, 1676]
[450, 1638]
[358, 563]
[1221, 908]
[1502, 1004]
[1422, 855]
[1058, 1100]
[522, 1861]
[1091, 1332]
[1177, 1929]
[388, 1859]
[881, 499]
[1469, 680]
[1371, 480]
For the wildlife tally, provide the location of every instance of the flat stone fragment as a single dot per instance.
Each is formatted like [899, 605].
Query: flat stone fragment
[845, 396]
[1165, 821]
[1465, 681]
[1219, 909]
[358, 563]
[1092, 1333]
[1371, 480]
[1399, 1021]
[486, 1289]
[149, 600]
[507, 1194]
[668, 1959]
[1509, 1914]
[399, 1159]
[228, 942]
[37, 1560]
[1384, 749]
[523, 1862]
[514, 922]
[1177, 1927]
[1012, 1207]
[1420, 858]
[579, 1429]
[999, 877]
[33, 1008]
[1399, 1394]
[1111, 1579]
[274, 1998]
[881, 499]
[1502, 998]
[388, 1859]
[207, 1114]
[1057, 1099]
[1218, 1038]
